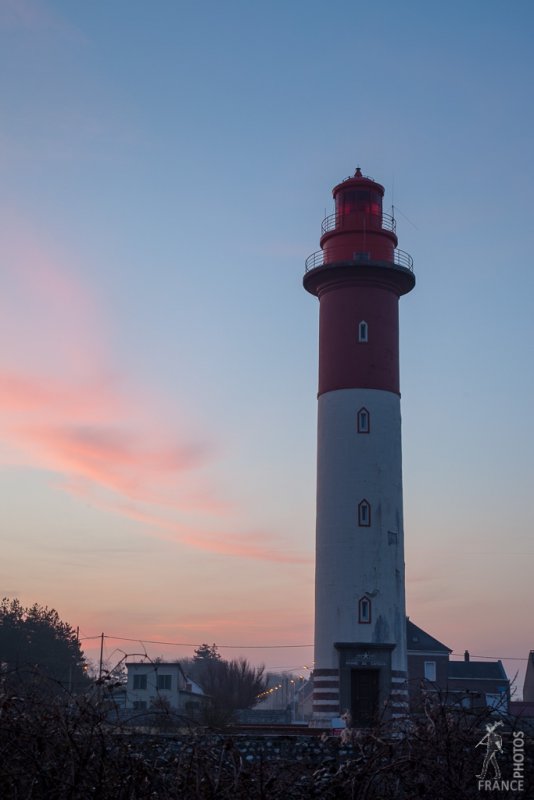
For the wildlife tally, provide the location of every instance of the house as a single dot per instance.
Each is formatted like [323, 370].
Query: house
[528, 686]
[524, 709]
[479, 684]
[467, 683]
[159, 683]
[428, 662]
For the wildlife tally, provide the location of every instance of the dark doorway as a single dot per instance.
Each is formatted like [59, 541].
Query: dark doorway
[364, 696]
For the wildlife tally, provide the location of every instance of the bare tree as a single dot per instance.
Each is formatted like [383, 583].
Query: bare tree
[231, 686]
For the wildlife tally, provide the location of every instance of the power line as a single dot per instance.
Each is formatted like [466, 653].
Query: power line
[493, 658]
[262, 646]
[196, 644]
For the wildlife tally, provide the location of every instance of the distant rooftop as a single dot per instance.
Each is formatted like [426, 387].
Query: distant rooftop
[154, 664]
[476, 670]
[418, 639]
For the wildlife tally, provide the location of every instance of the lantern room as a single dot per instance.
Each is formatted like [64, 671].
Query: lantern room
[358, 230]
[359, 199]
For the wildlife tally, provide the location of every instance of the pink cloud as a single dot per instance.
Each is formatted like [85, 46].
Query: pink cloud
[27, 396]
[251, 544]
[68, 411]
[94, 436]
[67, 408]
[113, 458]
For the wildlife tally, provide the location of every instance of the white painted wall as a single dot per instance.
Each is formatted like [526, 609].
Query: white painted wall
[353, 560]
[151, 671]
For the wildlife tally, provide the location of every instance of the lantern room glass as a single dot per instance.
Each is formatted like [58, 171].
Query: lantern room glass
[362, 207]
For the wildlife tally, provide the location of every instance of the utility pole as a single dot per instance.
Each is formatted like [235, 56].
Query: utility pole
[101, 656]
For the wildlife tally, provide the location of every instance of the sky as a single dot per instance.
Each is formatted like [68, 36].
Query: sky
[165, 168]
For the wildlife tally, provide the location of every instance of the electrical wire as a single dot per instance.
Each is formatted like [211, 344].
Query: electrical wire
[195, 644]
[492, 658]
[262, 646]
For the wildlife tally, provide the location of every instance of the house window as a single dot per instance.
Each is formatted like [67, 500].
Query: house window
[363, 331]
[139, 682]
[364, 514]
[364, 610]
[496, 700]
[139, 705]
[164, 682]
[430, 671]
[363, 421]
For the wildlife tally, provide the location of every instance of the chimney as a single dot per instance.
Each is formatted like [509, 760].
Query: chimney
[466, 655]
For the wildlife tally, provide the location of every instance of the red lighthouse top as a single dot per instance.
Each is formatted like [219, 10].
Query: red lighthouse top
[358, 276]
[358, 229]
[359, 233]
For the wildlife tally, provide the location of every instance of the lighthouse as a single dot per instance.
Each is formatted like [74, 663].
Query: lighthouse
[358, 276]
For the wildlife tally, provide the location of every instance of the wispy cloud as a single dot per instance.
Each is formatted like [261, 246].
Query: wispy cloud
[247, 544]
[65, 408]
[115, 459]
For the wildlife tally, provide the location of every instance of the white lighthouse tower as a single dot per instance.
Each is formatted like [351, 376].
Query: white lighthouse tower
[360, 619]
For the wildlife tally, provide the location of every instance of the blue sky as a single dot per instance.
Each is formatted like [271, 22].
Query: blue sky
[165, 169]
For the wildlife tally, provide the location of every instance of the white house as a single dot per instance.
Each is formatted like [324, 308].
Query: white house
[151, 682]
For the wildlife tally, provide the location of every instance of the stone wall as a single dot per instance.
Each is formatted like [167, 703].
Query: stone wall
[251, 748]
[267, 716]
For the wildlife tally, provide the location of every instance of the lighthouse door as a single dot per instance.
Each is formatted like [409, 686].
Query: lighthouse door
[364, 696]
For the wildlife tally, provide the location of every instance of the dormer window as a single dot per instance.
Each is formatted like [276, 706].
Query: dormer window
[364, 610]
[363, 421]
[363, 331]
[364, 514]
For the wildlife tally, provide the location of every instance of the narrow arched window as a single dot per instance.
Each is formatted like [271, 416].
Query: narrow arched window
[364, 610]
[364, 514]
[363, 331]
[363, 421]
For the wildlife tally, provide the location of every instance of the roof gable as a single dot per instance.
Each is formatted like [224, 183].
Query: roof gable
[418, 640]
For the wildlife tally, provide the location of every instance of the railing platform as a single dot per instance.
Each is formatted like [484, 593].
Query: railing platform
[373, 222]
[400, 259]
